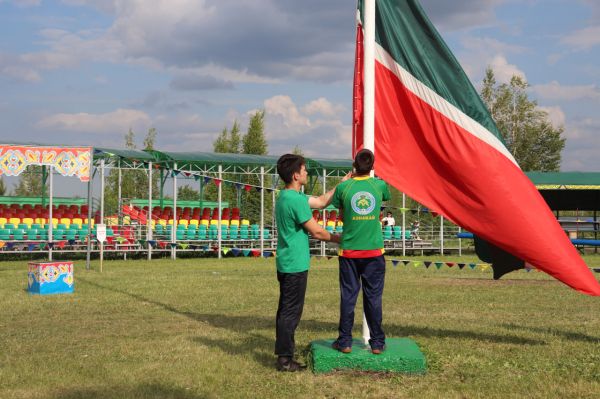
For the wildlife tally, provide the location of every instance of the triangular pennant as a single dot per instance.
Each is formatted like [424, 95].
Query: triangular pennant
[31, 247]
[174, 173]
[472, 266]
[187, 174]
[395, 262]
[173, 245]
[427, 264]
[2, 244]
[416, 263]
[42, 245]
[461, 265]
[406, 262]
[247, 187]
[62, 244]
[434, 214]
[246, 252]
[121, 240]
[256, 253]
[270, 190]
[184, 245]
[438, 265]
[142, 242]
[329, 257]
[196, 177]
[236, 252]
[205, 247]
[225, 251]
[152, 243]
[381, 208]
[259, 189]
[72, 241]
[217, 181]
[484, 267]
[238, 186]
[403, 210]
[450, 264]
[267, 254]
[207, 179]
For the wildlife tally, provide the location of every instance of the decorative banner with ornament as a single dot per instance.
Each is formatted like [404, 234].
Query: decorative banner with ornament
[68, 161]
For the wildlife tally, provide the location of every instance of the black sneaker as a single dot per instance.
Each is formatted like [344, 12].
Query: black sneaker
[289, 364]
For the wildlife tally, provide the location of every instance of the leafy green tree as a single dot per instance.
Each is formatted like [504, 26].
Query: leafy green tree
[187, 193]
[254, 142]
[30, 183]
[525, 128]
[134, 182]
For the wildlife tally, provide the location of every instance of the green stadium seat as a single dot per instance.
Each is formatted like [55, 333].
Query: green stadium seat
[23, 226]
[5, 234]
[32, 234]
[233, 233]
[71, 234]
[180, 235]
[82, 234]
[58, 234]
[18, 234]
[267, 233]
[224, 234]
[36, 226]
[202, 234]
[43, 234]
[191, 234]
[61, 226]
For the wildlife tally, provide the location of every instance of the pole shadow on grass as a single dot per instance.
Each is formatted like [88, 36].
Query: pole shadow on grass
[262, 347]
[149, 391]
[566, 335]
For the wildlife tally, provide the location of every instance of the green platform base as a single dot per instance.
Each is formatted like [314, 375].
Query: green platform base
[402, 355]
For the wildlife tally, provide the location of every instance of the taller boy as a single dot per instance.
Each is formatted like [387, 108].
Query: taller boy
[361, 251]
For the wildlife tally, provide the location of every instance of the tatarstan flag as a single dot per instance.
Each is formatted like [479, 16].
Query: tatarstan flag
[436, 141]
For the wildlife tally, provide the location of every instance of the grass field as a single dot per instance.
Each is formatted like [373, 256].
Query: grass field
[204, 328]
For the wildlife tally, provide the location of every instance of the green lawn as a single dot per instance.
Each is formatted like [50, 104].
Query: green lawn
[201, 328]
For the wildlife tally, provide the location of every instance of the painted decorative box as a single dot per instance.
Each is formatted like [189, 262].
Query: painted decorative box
[50, 278]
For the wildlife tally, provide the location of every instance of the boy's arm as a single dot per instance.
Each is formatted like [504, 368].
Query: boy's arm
[316, 231]
[324, 200]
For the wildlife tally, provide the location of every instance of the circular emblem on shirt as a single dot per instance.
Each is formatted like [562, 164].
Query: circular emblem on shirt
[363, 202]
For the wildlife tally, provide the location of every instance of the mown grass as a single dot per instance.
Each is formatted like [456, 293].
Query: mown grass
[205, 328]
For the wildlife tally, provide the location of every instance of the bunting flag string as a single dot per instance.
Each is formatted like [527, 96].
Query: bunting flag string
[395, 262]
[208, 179]
[461, 265]
[31, 247]
[427, 264]
[184, 245]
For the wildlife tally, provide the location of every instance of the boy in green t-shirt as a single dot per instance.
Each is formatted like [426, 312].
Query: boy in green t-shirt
[361, 259]
[294, 223]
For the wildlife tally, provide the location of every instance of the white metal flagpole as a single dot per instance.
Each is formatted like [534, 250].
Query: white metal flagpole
[369, 99]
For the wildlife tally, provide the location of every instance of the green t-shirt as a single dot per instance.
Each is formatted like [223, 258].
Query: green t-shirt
[291, 212]
[360, 200]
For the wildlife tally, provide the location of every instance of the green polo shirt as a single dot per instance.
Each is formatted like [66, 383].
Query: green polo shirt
[291, 212]
[360, 200]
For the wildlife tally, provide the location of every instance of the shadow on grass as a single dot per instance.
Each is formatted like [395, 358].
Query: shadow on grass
[567, 335]
[149, 391]
[262, 348]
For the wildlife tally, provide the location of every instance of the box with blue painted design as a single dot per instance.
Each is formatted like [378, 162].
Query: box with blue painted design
[50, 278]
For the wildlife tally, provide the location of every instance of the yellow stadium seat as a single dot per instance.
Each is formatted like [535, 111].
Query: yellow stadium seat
[204, 222]
[170, 221]
[65, 221]
[162, 222]
[87, 221]
[194, 222]
[214, 221]
[245, 222]
[126, 220]
[235, 222]
[183, 222]
[54, 222]
[3, 221]
[41, 221]
[224, 222]
[27, 221]
[331, 223]
[14, 221]
[77, 221]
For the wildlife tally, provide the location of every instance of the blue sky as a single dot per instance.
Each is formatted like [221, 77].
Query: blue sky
[85, 71]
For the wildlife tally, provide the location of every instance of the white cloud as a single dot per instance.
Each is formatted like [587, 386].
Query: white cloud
[583, 39]
[317, 127]
[322, 106]
[480, 53]
[582, 146]
[556, 91]
[117, 121]
[555, 114]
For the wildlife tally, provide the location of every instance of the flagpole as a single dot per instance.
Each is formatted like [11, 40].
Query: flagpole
[369, 100]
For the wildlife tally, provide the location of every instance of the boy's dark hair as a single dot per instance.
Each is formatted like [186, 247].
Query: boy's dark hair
[363, 161]
[288, 164]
